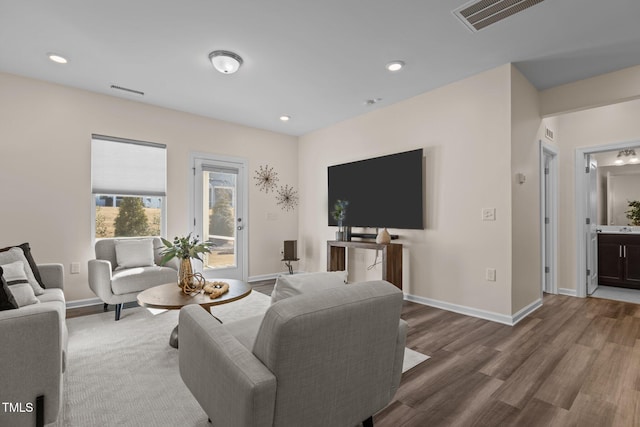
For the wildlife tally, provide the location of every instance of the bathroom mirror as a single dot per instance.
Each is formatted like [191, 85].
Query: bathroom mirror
[618, 183]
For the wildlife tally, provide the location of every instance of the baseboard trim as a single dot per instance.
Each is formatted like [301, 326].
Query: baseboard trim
[83, 302]
[271, 276]
[521, 314]
[474, 312]
[568, 292]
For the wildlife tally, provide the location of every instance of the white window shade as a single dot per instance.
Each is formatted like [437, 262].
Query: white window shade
[125, 167]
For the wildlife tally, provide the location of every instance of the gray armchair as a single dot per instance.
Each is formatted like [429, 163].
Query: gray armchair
[323, 358]
[33, 354]
[117, 286]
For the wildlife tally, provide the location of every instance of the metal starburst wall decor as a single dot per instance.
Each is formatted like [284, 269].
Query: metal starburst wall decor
[266, 178]
[287, 198]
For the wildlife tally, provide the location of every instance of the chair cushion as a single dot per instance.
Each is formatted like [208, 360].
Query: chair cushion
[296, 284]
[134, 253]
[52, 294]
[16, 278]
[245, 330]
[7, 300]
[140, 278]
[17, 254]
[26, 249]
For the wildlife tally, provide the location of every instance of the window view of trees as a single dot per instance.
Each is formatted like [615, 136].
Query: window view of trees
[119, 216]
[222, 218]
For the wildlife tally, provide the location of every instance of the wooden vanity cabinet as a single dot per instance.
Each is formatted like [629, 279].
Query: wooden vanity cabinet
[619, 260]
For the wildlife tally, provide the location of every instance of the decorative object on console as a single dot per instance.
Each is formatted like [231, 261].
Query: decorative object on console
[266, 178]
[634, 213]
[339, 213]
[290, 253]
[383, 237]
[186, 248]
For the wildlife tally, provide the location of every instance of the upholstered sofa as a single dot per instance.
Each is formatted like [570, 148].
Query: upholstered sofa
[117, 276]
[325, 357]
[33, 354]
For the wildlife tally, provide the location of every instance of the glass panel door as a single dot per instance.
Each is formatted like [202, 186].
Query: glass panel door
[219, 216]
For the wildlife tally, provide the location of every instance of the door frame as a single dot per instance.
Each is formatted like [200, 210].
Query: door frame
[244, 167]
[552, 152]
[581, 189]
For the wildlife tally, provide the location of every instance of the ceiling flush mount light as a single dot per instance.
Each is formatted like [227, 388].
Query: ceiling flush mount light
[285, 118]
[224, 61]
[57, 58]
[395, 65]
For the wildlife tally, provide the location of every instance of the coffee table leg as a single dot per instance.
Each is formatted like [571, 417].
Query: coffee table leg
[173, 339]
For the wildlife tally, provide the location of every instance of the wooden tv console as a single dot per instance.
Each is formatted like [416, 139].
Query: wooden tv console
[391, 258]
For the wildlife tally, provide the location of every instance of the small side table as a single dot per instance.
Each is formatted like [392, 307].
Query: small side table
[287, 262]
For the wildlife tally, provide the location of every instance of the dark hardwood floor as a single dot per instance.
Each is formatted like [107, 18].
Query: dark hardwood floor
[573, 362]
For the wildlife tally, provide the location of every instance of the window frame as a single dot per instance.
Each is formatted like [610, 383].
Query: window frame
[94, 196]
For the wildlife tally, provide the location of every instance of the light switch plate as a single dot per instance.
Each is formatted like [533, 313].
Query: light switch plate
[75, 268]
[488, 214]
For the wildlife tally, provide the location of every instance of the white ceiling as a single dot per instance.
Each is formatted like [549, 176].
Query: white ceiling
[317, 61]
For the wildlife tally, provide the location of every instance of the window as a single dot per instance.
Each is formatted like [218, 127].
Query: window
[128, 185]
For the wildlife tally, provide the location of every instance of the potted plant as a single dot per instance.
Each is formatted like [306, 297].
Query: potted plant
[184, 248]
[634, 213]
[339, 214]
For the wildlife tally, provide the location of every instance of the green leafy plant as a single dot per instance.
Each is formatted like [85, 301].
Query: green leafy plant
[634, 213]
[339, 212]
[184, 248]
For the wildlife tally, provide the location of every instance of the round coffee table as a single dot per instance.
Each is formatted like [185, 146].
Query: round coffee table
[170, 297]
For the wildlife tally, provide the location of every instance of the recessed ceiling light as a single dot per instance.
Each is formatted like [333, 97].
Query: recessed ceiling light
[224, 61]
[395, 65]
[57, 58]
[285, 118]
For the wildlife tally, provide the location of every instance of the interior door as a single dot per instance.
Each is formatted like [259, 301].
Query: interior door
[548, 250]
[590, 227]
[219, 218]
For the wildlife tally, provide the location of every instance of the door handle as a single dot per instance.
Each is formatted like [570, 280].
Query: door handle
[624, 251]
[620, 251]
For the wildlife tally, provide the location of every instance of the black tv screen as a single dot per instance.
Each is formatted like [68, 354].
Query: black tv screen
[384, 191]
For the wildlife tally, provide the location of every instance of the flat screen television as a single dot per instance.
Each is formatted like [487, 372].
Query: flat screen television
[383, 191]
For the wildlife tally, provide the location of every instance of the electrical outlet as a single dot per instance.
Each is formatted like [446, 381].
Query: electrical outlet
[490, 274]
[282, 251]
[75, 268]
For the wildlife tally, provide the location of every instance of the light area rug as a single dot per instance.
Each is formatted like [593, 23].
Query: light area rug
[124, 373]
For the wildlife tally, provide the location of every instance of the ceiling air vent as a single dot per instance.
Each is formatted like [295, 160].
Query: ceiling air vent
[126, 89]
[480, 14]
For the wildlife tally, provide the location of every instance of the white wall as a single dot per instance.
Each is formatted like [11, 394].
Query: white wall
[45, 133]
[464, 129]
[526, 130]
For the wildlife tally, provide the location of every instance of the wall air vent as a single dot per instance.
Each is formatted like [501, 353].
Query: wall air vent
[137, 92]
[480, 14]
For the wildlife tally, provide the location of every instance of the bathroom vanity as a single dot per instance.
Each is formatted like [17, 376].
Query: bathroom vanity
[619, 259]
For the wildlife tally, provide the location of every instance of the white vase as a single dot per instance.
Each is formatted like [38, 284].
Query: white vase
[383, 237]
